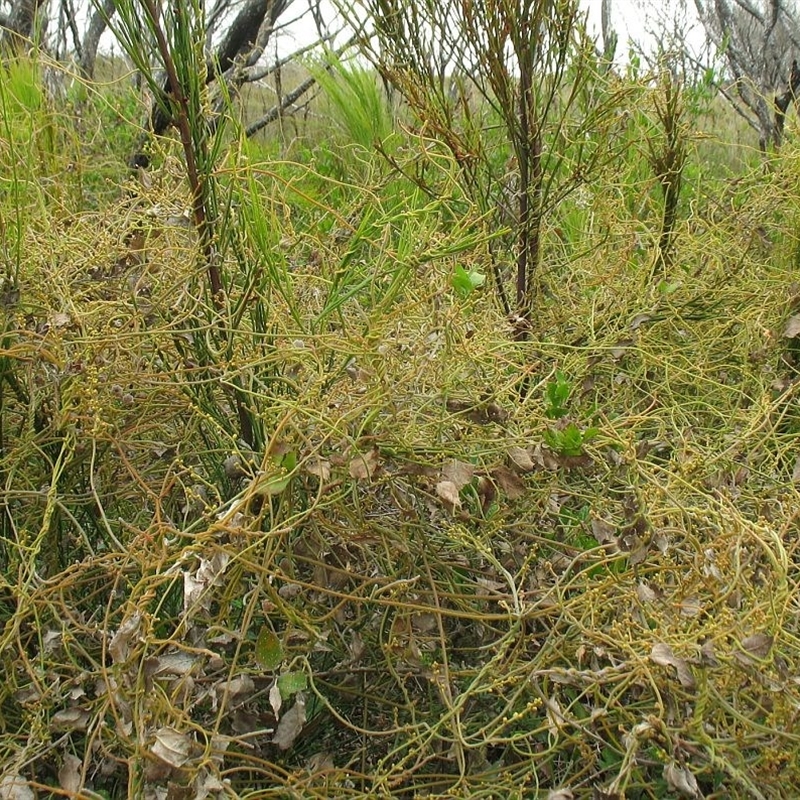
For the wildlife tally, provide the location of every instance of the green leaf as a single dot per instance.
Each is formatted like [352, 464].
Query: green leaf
[466, 282]
[269, 652]
[556, 394]
[272, 484]
[586, 542]
[571, 440]
[668, 288]
[590, 434]
[292, 682]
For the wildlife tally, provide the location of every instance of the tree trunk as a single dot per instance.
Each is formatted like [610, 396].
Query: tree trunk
[19, 28]
[607, 31]
[91, 39]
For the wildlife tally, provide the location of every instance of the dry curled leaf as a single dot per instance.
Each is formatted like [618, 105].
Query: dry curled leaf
[645, 593]
[639, 320]
[755, 648]
[521, 459]
[119, 646]
[509, 482]
[681, 780]
[691, 606]
[291, 724]
[71, 719]
[545, 458]
[238, 688]
[15, 787]
[275, 699]
[486, 491]
[206, 784]
[364, 466]
[208, 573]
[69, 774]
[792, 328]
[171, 746]
[605, 533]
[320, 762]
[60, 319]
[458, 473]
[708, 655]
[448, 492]
[662, 655]
[319, 468]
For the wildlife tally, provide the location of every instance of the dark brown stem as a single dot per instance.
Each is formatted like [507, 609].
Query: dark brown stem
[196, 183]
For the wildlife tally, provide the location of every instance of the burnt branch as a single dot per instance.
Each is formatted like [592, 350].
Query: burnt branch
[242, 45]
[783, 101]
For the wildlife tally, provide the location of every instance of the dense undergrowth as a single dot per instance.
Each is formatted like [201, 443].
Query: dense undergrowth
[442, 562]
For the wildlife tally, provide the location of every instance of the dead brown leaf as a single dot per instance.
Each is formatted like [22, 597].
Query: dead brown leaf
[755, 648]
[639, 320]
[545, 459]
[645, 593]
[69, 774]
[175, 663]
[792, 328]
[15, 787]
[237, 688]
[207, 574]
[619, 350]
[636, 548]
[521, 459]
[583, 461]
[662, 655]
[206, 784]
[319, 468]
[291, 724]
[480, 412]
[708, 655]
[60, 319]
[364, 466]
[605, 533]
[691, 606]
[119, 646]
[459, 473]
[71, 719]
[448, 492]
[486, 491]
[275, 699]
[681, 780]
[509, 482]
[171, 746]
[320, 762]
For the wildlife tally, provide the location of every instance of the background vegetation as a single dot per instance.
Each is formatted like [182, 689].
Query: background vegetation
[302, 497]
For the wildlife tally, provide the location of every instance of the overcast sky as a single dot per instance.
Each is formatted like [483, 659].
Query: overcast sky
[631, 19]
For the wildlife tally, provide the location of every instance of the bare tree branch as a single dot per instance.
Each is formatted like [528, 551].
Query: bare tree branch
[756, 42]
[607, 31]
[91, 40]
[19, 26]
